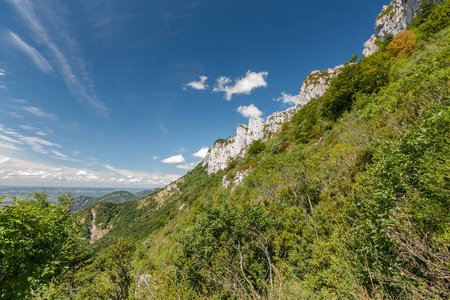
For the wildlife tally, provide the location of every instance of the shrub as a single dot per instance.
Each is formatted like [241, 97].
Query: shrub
[256, 148]
[403, 44]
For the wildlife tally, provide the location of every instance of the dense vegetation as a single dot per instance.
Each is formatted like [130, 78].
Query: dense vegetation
[350, 200]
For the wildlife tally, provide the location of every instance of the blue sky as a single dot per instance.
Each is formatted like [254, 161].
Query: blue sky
[124, 93]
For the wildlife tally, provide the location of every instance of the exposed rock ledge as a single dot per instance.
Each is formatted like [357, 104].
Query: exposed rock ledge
[223, 151]
[96, 232]
[394, 18]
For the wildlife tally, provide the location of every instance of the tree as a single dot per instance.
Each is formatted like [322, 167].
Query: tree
[36, 238]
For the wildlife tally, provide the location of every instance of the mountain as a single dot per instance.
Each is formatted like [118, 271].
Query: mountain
[344, 196]
[142, 194]
[116, 197]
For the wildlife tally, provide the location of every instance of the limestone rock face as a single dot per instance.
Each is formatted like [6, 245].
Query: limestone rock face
[255, 131]
[277, 119]
[316, 84]
[223, 151]
[394, 18]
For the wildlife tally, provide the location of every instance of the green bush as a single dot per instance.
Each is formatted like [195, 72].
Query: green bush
[256, 148]
[36, 241]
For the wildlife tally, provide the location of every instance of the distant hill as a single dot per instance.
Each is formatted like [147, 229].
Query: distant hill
[116, 197]
[145, 193]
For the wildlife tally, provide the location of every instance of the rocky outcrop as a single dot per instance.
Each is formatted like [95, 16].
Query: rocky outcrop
[277, 119]
[237, 180]
[223, 151]
[96, 232]
[316, 84]
[394, 18]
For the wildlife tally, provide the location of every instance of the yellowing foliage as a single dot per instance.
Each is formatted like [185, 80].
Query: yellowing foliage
[403, 44]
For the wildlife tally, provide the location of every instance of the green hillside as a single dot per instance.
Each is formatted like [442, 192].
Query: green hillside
[117, 197]
[350, 200]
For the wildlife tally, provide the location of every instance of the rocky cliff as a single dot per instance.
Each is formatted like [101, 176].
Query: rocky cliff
[394, 18]
[223, 151]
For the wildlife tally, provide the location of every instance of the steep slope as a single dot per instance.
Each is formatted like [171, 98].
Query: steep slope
[349, 200]
[395, 17]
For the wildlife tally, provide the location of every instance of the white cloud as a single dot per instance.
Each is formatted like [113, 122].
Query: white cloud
[176, 159]
[250, 111]
[287, 99]
[5, 159]
[41, 63]
[197, 85]
[71, 64]
[189, 166]
[244, 85]
[39, 112]
[201, 153]
[2, 72]
[155, 157]
[21, 172]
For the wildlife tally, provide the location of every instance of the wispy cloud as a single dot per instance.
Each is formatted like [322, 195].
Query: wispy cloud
[9, 146]
[197, 85]
[2, 74]
[20, 101]
[9, 139]
[169, 17]
[41, 63]
[59, 155]
[244, 85]
[39, 112]
[113, 20]
[36, 144]
[71, 67]
[163, 129]
[250, 111]
[287, 99]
